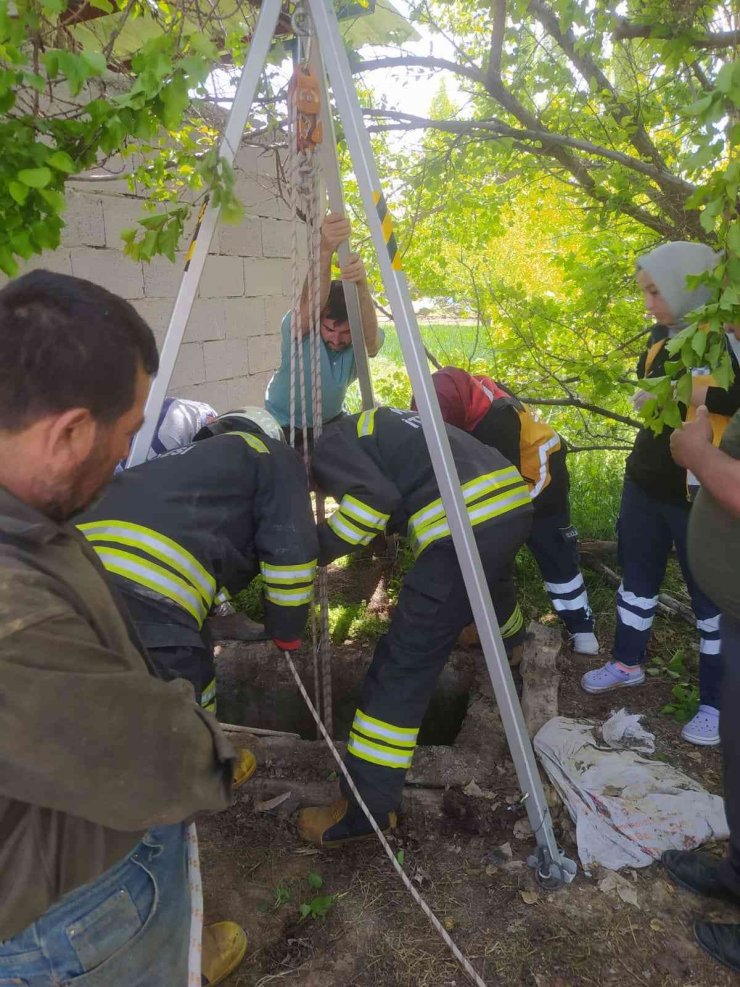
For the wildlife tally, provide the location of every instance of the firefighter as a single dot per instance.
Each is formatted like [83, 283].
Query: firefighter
[196, 525]
[492, 414]
[376, 465]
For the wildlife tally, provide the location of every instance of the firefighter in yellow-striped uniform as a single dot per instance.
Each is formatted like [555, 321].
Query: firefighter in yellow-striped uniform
[195, 526]
[377, 467]
[488, 411]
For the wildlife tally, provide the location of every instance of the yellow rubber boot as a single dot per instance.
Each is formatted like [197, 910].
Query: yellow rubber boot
[336, 824]
[244, 767]
[224, 946]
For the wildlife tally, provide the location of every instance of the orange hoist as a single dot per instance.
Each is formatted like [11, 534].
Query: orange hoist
[304, 92]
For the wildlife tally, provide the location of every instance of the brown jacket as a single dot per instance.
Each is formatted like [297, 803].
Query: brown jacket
[94, 749]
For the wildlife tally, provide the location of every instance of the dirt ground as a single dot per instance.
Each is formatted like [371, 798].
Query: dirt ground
[467, 856]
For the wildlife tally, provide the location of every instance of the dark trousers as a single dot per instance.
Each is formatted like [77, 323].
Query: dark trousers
[177, 650]
[554, 544]
[432, 609]
[729, 731]
[647, 529]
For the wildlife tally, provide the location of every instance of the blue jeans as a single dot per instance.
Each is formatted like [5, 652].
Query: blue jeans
[647, 528]
[129, 928]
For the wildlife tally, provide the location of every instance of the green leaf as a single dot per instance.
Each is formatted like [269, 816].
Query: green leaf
[699, 343]
[62, 162]
[400, 856]
[34, 177]
[305, 910]
[315, 880]
[95, 60]
[54, 199]
[18, 192]
[321, 905]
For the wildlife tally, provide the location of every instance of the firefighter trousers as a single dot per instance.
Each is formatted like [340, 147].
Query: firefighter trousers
[432, 609]
[177, 650]
[646, 530]
[554, 544]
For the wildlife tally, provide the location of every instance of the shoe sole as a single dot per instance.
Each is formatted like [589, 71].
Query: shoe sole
[719, 895]
[715, 957]
[333, 844]
[611, 688]
[700, 741]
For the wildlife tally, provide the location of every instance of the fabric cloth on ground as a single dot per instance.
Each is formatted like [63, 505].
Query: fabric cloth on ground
[627, 808]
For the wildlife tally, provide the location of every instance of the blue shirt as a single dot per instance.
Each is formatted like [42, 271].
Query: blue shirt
[338, 370]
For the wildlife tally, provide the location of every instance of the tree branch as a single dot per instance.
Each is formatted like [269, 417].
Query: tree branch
[584, 406]
[591, 72]
[418, 61]
[624, 30]
[409, 121]
[497, 43]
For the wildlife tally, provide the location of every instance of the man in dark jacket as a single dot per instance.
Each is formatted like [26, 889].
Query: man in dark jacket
[376, 465]
[714, 549]
[100, 760]
[195, 526]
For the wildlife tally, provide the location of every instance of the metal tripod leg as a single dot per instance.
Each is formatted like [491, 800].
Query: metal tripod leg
[552, 866]
[201, 242]
[333, 179]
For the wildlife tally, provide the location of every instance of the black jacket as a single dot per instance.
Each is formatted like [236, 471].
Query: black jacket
[195, 526]
[650, 464]
[377, 466]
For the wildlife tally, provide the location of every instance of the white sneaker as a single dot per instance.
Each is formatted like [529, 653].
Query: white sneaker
[703, 730]
[585, 643]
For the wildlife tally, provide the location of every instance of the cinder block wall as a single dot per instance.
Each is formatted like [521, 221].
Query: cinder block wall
[232, 342]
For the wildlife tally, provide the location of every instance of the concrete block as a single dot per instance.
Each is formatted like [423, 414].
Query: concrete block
[244, 391]
[83, 220]
[270, 160]
[245, 317]
[207, 321]
[275, 309]
[120, 212]
[156, 312]
[189, 368]
[223, 277]
[244, 240]
[109, 268]
[277, 238]
[215, 393]
[58, 261]
[267, 276]
[162, 277]
[264, 353]
[225, 359]
[246, 159]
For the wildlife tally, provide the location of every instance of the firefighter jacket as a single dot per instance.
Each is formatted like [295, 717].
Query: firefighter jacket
[650, 464]
[377, 467]
[196, 525]
[524, 440]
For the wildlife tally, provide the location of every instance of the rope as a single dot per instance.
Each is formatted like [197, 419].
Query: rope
[447, 939]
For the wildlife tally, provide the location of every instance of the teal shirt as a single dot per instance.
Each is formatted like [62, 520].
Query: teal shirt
[338, 370]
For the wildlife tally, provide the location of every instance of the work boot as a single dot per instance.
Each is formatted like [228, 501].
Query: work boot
[721, 941]
[338, 823]
[244, 767]
[224, 946]
[697, 871]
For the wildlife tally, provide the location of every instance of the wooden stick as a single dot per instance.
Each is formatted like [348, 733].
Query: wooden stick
[666, 604]
[257, 731]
